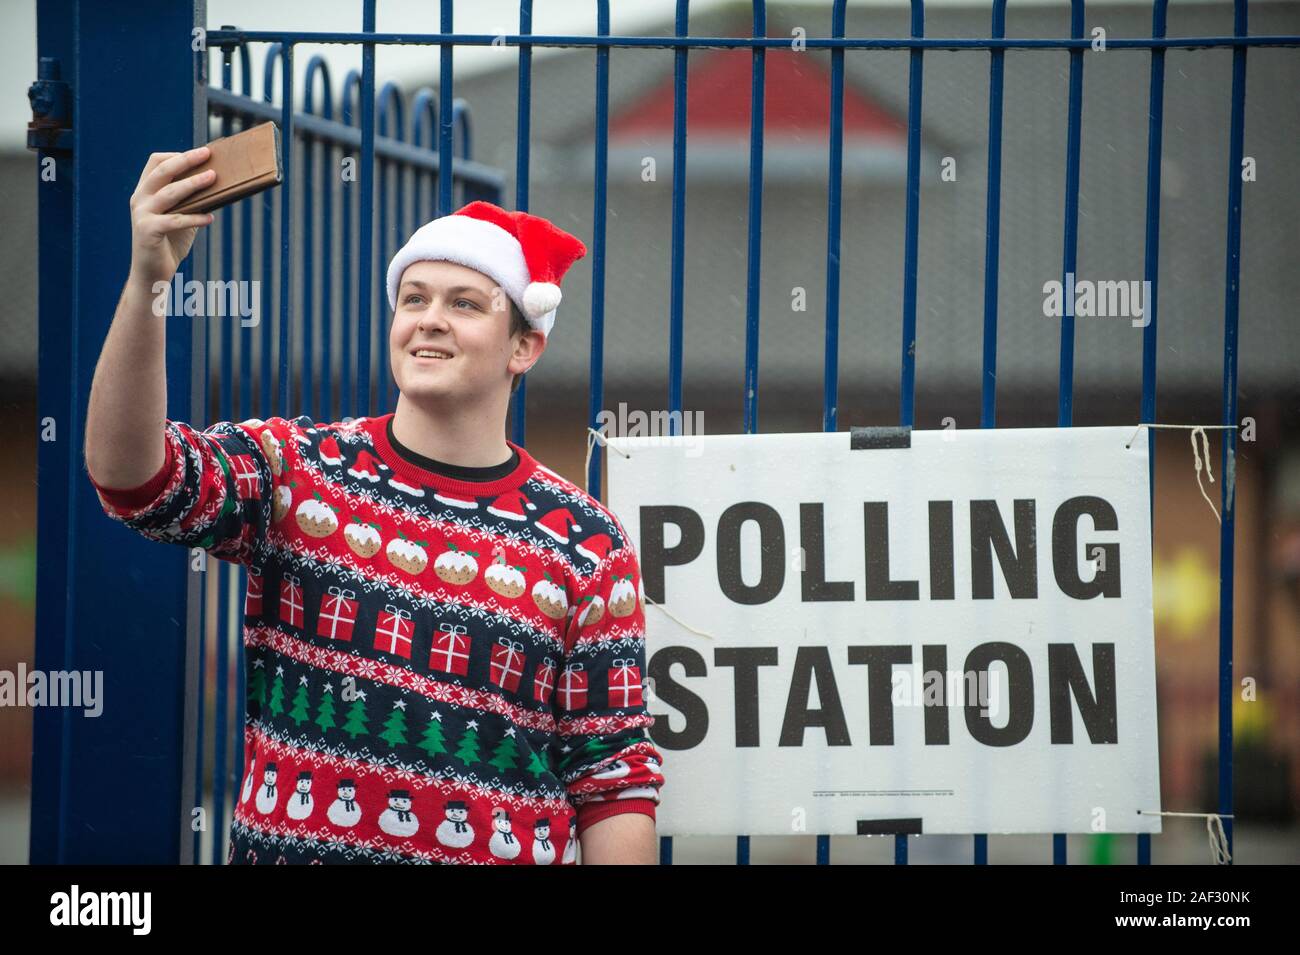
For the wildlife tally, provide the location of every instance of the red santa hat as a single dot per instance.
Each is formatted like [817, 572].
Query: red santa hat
[596, 547]
[525, 254]
[511, 505]
[364, 467]
[558, 523]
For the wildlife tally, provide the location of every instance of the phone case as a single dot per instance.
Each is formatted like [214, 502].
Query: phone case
[246, 163]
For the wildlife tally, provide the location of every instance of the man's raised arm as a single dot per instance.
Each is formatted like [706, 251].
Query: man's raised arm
[128, 397]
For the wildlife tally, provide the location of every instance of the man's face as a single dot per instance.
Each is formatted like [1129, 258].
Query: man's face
[462, 313]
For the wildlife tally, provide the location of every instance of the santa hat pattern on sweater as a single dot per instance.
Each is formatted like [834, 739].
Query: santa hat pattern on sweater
[457, 499]
[329, 450]
[364, 467]
[557, 524]
[511, 506]
[525, 254]
[596, 547]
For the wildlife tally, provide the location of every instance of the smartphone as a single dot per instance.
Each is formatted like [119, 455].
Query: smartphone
[246, 163]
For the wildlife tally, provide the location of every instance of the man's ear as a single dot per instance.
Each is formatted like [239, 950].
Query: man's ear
[527, 351]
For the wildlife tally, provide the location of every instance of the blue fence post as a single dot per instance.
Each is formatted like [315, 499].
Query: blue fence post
[992, 249]
[678, 278]
[1228, 465]
[114, 788]
[1151, 273]
[227, 575]
[907, 388]
[349, 391]
[519, 426]
[754, 248]
[267, 202]
[600, 202]
[365, 245]
[1073, 143]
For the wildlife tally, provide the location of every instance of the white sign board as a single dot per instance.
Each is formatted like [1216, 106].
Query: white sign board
[949, 635]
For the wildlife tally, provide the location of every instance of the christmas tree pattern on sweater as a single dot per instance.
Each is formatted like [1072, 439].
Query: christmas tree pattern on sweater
[437, 671]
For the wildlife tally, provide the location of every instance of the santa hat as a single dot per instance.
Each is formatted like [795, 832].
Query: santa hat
[525, 254]
[557, 523]
[511, 505]
[596, 547]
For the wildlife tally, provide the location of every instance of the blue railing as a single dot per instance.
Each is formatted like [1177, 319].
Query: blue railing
[321, 136]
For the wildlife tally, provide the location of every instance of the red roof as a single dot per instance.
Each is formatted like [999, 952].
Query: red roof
[797, 101]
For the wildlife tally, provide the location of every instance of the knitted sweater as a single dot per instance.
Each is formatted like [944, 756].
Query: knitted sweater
[437, 670]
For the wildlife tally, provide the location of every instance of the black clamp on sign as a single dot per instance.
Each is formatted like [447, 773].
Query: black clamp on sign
[875, 437]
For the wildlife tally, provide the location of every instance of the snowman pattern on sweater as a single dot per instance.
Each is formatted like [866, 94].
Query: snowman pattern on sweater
[457, 664]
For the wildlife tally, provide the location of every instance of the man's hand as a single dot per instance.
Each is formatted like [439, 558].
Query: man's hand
[625, 839]
[161, 239]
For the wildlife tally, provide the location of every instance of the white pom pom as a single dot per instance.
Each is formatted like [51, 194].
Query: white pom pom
[540, 298]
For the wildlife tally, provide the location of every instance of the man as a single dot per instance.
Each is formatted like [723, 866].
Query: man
[444, 639]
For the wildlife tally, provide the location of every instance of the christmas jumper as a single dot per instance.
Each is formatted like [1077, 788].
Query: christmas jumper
[438, 670]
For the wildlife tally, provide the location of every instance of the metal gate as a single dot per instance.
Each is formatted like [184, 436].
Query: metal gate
[102, 593]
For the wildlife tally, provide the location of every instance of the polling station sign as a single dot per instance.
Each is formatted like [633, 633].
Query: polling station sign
[897, 631]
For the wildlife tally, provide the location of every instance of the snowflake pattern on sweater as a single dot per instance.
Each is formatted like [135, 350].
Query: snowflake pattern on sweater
[438, 671]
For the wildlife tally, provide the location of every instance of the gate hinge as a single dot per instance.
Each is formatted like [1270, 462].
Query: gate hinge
[50, 128]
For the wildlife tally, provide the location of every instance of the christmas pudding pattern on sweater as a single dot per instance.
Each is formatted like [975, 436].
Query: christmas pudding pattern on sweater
[464, 662]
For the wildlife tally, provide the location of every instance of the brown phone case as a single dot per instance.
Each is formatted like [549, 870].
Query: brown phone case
[246, 163]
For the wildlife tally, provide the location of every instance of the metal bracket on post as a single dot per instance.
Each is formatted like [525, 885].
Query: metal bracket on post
[228, 47]
[50, 128]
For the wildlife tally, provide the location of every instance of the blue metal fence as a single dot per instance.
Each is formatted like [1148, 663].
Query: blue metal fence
[320, 335]
[308, 334]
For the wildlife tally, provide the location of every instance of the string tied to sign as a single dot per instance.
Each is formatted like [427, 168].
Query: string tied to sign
[1195, 429]
[1213, 828]
[592, 437]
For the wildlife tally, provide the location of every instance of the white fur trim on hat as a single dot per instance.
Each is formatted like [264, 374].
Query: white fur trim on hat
[475, 244]
[545, 323]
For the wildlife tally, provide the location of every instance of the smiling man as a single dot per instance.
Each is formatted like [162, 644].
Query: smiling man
[444, 639]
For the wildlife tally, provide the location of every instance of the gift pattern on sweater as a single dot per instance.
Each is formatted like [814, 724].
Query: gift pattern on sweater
[437, 670]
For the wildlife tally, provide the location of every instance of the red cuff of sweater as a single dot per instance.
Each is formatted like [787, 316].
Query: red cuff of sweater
[591, 812]
[125, 498]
